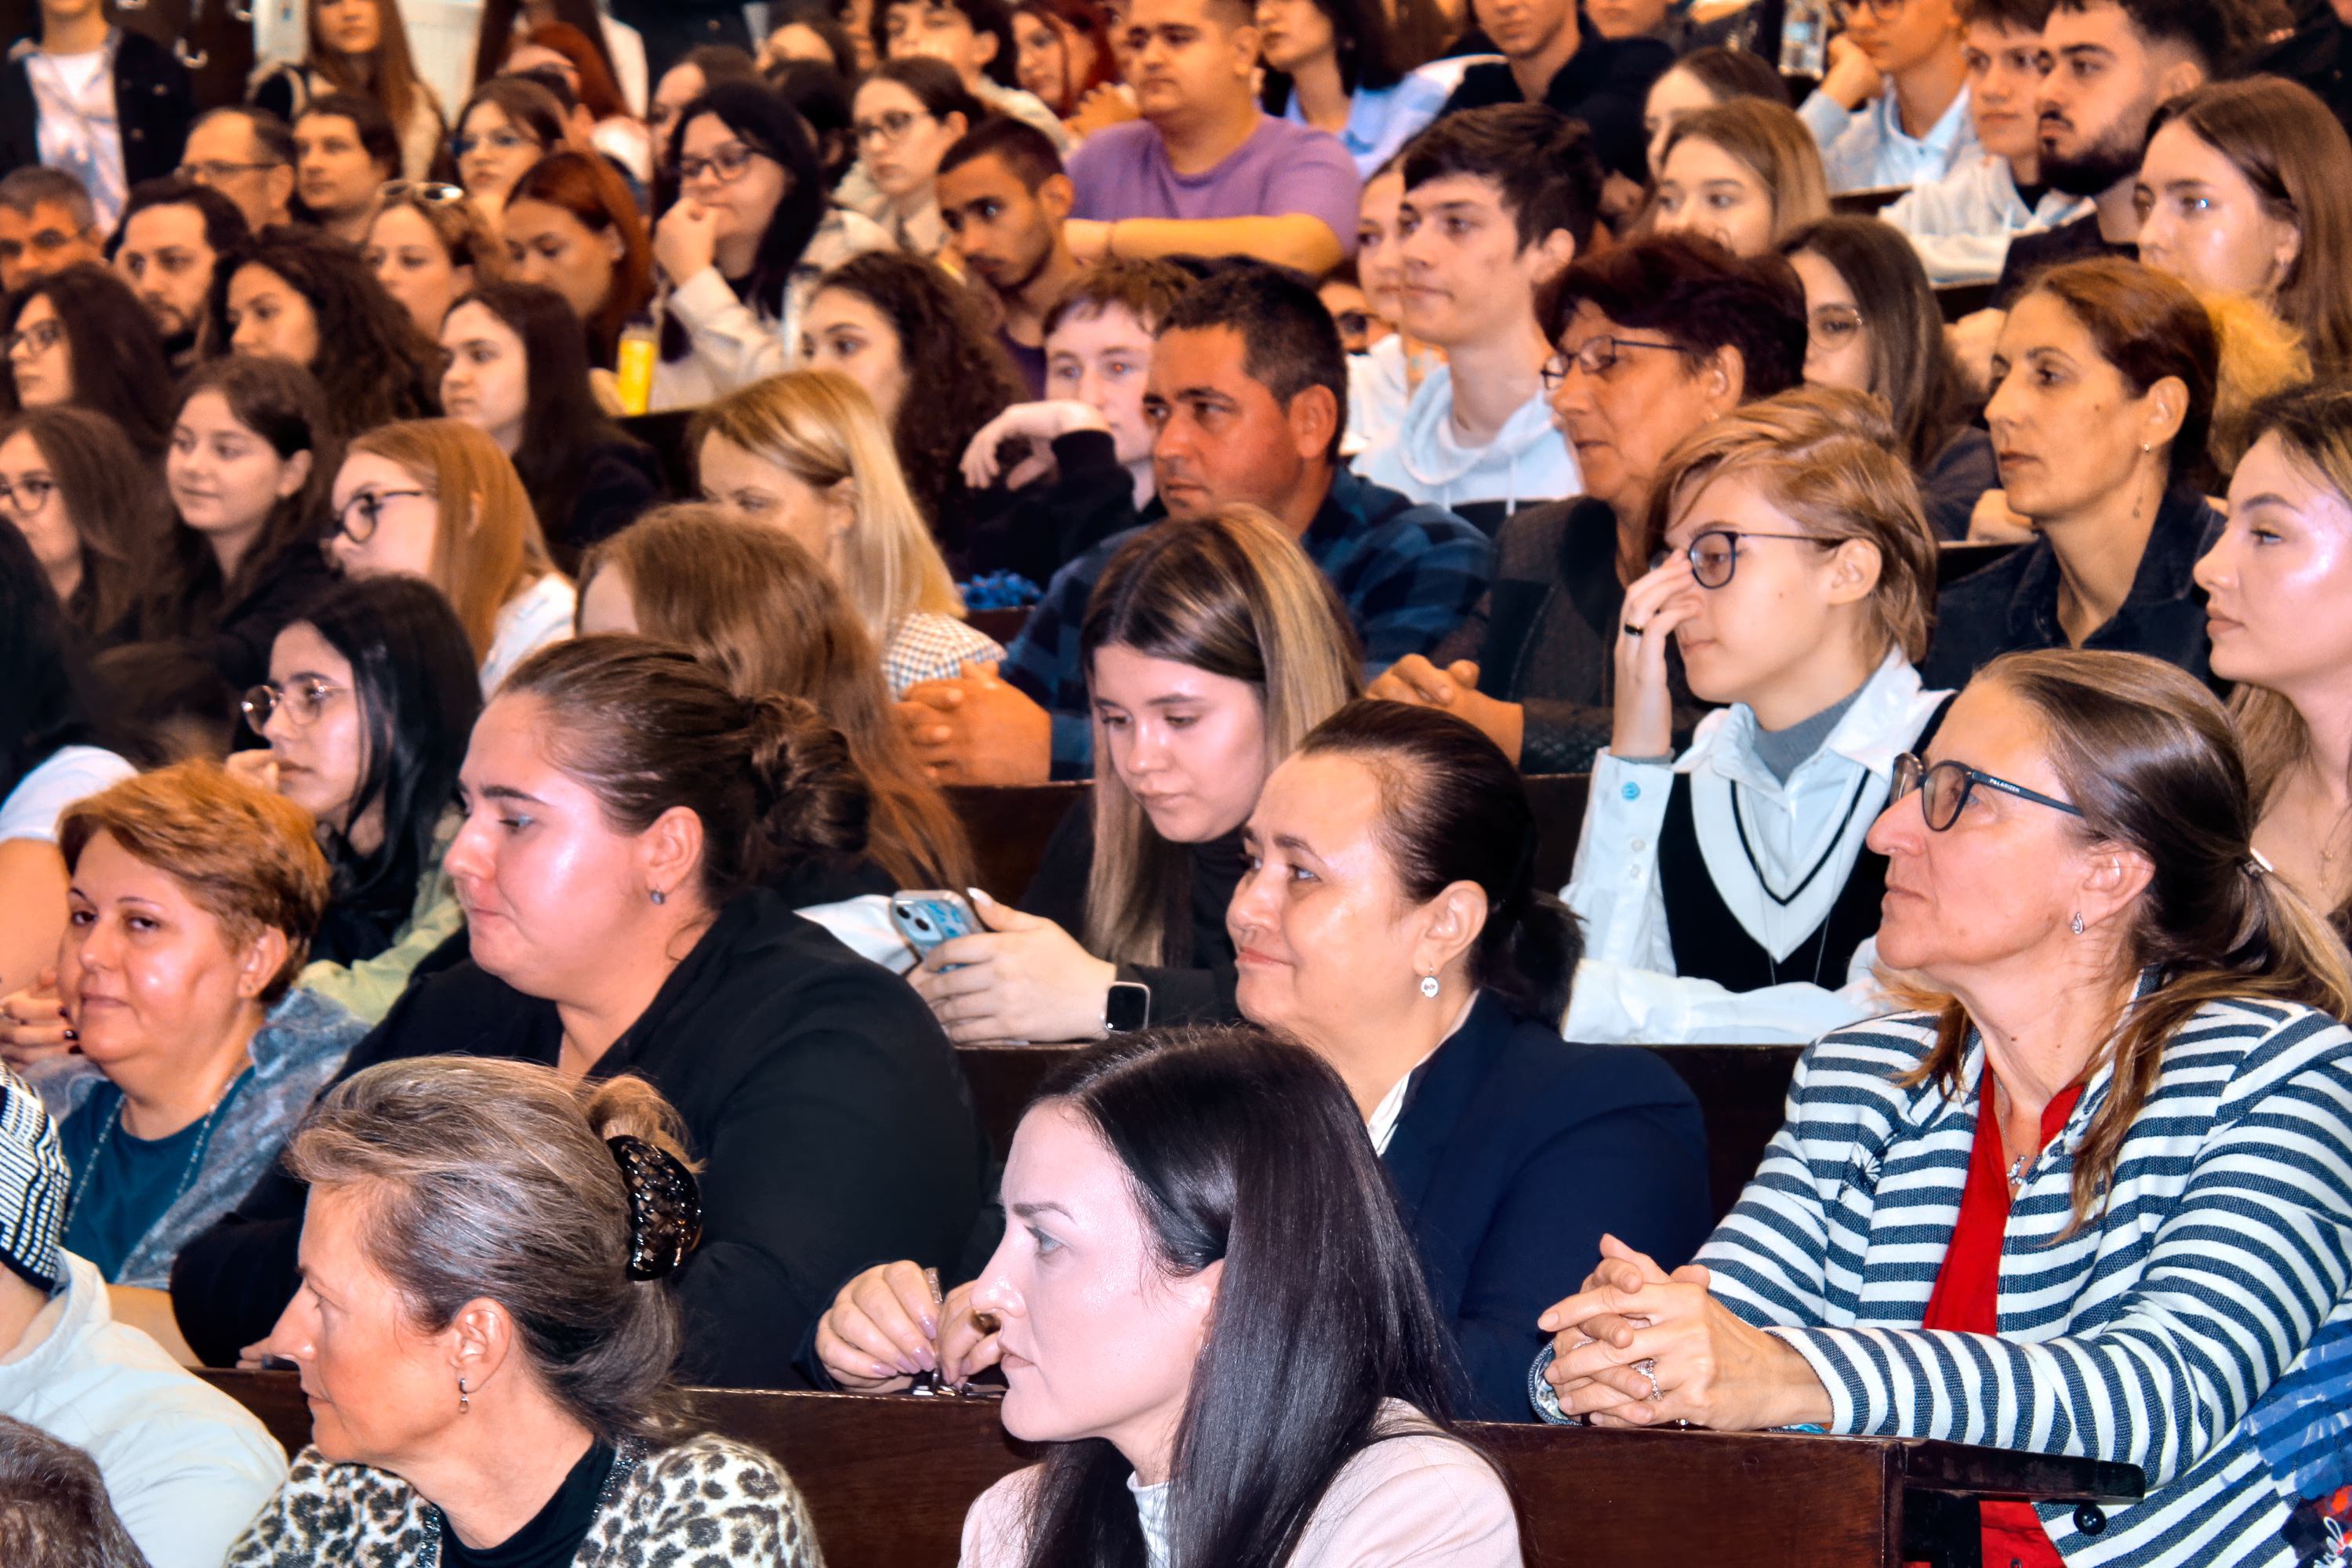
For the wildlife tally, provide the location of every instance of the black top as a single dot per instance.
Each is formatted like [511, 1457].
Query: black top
[1517, 1151]
[553, 1538]
[827, 1108]
[1955, 479]
[235, 638]
[2033, 253]
[1544, 634]
[618, 480]
[1605, 84]
[1198, 991]
[1041, 526]
[2316, 54]
[2014, 603]
[153, 102]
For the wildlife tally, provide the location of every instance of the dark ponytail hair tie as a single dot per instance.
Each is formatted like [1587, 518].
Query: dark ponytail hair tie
[665, 1207]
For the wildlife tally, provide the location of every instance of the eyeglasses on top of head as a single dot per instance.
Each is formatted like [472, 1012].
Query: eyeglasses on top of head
[1944, 789]
[1598, 356]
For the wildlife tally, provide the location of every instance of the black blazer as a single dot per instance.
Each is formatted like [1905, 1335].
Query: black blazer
[825, 1104]
[153, 102]
[1515, 1152]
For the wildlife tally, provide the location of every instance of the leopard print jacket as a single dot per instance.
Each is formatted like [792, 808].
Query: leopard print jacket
[708, 1502]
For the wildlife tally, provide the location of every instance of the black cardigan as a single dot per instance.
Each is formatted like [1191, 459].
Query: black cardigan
[1199, 992]
[153, 102]
[826, 1104]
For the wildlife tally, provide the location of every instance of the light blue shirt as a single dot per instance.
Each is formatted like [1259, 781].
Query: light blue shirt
[1868, 148]
[1962, 224]
[1381, 120]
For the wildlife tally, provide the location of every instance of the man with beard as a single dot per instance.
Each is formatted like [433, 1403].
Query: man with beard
[2110, 63]
[172, 236]
[1003, 197]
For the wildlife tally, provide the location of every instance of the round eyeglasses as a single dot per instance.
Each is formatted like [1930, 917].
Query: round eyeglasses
[361, 514]
[1945, 787]
[301, 704]
[1714, 554]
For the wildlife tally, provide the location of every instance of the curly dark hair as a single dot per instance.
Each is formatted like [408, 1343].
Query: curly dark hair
[119, 368]
[967, 380]
[382, 368]
[1698, 294]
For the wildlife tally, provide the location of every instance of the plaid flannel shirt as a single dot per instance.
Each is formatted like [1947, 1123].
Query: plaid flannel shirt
[1408, 574]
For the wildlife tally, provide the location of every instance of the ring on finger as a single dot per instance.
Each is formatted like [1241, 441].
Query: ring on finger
[1631, 630]
[1648, 1368]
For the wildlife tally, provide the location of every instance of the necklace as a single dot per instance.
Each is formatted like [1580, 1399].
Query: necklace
[1739, 824]
[196, 1153]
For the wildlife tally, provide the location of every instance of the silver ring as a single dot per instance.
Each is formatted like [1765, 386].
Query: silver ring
[1649, 1369]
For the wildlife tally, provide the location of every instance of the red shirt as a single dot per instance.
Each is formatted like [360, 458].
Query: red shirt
[1967, 1300]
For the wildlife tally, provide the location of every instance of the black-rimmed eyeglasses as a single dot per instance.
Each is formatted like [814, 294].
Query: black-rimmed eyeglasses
[1714, 554]
[1945, 787]
[1597, 356]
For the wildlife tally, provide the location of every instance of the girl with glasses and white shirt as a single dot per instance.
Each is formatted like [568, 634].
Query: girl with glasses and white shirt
[1725, 894]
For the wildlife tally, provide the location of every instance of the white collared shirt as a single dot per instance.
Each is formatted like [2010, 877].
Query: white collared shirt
[1962, 224]
[1626, 988]
[1868, 149]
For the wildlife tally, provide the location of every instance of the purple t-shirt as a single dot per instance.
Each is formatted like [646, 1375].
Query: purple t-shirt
[1122, 171]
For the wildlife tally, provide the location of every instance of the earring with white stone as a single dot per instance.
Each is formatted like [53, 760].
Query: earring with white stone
[1429, 986]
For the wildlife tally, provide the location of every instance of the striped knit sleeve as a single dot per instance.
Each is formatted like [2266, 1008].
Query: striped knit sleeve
[2216, 1289]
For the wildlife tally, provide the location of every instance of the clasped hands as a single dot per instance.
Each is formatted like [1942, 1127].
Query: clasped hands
[890, 1322]
[1455, 690]
[1640, 1347]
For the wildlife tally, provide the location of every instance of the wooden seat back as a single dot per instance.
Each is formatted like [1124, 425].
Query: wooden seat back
[887, 1480]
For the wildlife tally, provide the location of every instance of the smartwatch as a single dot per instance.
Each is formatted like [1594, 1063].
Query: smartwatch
[1129, 1006]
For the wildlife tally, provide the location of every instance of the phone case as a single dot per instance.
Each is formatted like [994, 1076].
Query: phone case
[929, 917]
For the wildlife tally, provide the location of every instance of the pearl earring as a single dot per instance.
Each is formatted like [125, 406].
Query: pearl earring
[1429, 986]
[2077, 923]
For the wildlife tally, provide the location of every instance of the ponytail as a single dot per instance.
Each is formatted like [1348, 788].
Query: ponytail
[1453, 809]
[647, 727]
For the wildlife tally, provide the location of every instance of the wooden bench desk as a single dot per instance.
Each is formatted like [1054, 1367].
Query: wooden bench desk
[887, 1480]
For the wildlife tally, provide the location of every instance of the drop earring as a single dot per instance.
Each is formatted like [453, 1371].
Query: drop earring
[464, 1404]
[1429, 986]
[2076, 923]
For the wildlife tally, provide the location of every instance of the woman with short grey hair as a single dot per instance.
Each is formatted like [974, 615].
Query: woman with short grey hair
[485, 1337]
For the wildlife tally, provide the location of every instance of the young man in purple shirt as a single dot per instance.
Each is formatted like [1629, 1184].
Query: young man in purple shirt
[1206, 171]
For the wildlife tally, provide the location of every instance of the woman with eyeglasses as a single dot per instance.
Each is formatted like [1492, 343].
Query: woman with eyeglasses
[743, 247]
[2102, 388]
[247, 471]
[81, 337]
[90, 507]
[294, 294]
[908, 114]
[2093, 1195]
[371, 697]
[572, 225]
[437, 499]
[1872, 324]
[360, 47]
[429, 244]
[1725, 891]
[508, 126]
[1656, 338]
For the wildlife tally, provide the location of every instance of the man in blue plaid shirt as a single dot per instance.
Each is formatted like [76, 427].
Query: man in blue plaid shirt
[1249, 397]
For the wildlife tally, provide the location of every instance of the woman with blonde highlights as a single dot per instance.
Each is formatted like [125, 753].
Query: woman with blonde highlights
[1212, 645]
[1726, 893]
[752, 605]
[1746, 174]
[806, 454]
[2096, 1197]
[437, 499]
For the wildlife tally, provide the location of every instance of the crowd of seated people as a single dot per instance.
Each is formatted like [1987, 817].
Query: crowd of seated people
[590, 634]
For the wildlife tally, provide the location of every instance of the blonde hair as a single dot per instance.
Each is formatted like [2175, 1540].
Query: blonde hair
[2261, 354]
[2149, 756]
[1233, 594]
[1774, 144]
[752, 605]
[821, 427]
[487, 546]
[1825, 456]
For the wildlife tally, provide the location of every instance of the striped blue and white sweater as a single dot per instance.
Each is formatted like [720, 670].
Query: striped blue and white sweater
[2149, 1336]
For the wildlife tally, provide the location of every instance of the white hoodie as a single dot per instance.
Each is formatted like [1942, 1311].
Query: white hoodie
[1527, 462]
[186, 1466]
